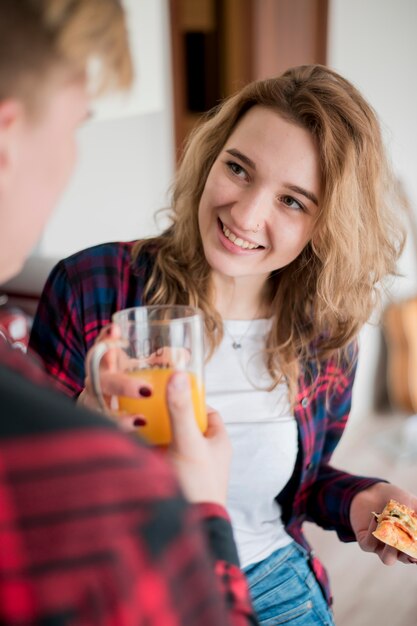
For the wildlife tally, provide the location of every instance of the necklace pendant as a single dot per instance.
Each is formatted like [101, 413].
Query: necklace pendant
[236, 345]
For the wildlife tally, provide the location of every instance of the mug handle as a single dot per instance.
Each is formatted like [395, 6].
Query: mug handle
[93, 368]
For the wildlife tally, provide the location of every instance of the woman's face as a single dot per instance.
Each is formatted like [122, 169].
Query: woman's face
[260, 201]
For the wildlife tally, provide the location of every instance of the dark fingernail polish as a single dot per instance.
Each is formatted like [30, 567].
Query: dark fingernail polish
[139, 421]
[145, 392]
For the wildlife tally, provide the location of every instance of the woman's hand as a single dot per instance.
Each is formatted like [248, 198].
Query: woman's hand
[363, 522]
[202, 462]
[114, 382]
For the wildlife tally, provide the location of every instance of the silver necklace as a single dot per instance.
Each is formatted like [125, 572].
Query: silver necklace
[237, 341]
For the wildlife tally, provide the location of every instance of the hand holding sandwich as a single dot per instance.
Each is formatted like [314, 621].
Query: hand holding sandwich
[364, 523]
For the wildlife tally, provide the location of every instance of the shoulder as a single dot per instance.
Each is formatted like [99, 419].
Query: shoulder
[96, 281]
[104, 266]
[115, 254]
[112, 259]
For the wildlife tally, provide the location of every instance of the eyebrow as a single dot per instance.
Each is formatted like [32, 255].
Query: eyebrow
[245, 159]
[307, 194]
[242, 157]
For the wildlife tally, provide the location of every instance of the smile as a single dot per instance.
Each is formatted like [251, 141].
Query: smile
[238, 241]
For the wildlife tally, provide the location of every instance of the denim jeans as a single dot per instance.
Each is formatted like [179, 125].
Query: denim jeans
[284, 590]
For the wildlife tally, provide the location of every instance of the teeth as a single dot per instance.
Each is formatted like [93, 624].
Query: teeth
[237, 240]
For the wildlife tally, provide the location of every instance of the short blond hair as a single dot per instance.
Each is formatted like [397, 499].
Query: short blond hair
[39, 36]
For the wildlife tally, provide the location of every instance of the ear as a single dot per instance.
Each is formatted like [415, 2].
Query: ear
[11, 117]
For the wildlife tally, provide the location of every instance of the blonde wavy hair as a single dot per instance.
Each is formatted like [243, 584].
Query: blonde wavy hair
[40, 38]
[320, 300]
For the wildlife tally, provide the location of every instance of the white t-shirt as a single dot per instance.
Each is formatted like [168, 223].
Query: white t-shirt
[263, 433]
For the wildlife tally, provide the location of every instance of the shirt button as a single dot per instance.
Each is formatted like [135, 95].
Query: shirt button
[304, 403]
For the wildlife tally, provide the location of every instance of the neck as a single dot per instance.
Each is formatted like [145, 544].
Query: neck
[240, 298]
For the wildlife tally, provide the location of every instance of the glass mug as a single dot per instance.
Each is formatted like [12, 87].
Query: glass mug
[155, 342]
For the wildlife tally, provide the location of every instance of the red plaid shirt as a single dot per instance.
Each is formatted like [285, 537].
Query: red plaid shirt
[93, 528]
[80, 297]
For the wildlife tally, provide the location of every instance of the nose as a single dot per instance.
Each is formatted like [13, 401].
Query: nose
[250, 211]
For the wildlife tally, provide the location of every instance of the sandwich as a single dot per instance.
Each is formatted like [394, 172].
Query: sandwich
[397, 527]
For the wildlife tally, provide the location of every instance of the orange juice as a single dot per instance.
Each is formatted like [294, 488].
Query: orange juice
[154, 409]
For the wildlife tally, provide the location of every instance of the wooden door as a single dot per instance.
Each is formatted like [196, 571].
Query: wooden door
[219, 45]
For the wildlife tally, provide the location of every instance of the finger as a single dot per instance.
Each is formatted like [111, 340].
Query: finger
[215, 425]
[404, 558]
[107, 334]
[170, 357]
[388, 555]
[111, 331]
[131, 423]
[368, 542]
[120, 384]
[371, 544]
[88, 400]
[110, 359]
[184, 427]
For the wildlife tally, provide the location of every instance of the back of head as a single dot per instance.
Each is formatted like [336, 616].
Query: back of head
[40, 37]
[55, 55]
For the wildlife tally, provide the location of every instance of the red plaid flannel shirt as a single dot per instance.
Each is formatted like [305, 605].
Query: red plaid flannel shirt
[93, 528]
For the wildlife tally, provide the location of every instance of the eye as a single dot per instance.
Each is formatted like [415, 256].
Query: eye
[237, 169]
[291, 203]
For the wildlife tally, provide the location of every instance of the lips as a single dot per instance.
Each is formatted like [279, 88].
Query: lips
[244, 244]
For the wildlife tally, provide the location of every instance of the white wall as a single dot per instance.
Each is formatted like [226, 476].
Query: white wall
[126, 157]
[373, 43]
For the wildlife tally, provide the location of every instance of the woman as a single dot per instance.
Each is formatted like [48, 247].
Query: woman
[281, 232]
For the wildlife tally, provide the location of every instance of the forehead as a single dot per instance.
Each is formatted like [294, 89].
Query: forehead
[268, 126]
[277, 145]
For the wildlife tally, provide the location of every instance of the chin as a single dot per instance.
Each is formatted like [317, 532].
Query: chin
[224, 269]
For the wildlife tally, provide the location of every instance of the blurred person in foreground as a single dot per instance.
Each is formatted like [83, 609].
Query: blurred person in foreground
[94, 527]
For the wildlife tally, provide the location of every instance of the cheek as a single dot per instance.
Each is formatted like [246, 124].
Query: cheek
[292, 237]
[201, 212]
[68, 158]
[217, 195]
[205, 208]
[61, 166]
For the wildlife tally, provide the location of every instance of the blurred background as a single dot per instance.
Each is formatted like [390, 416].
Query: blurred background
[189, 54]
